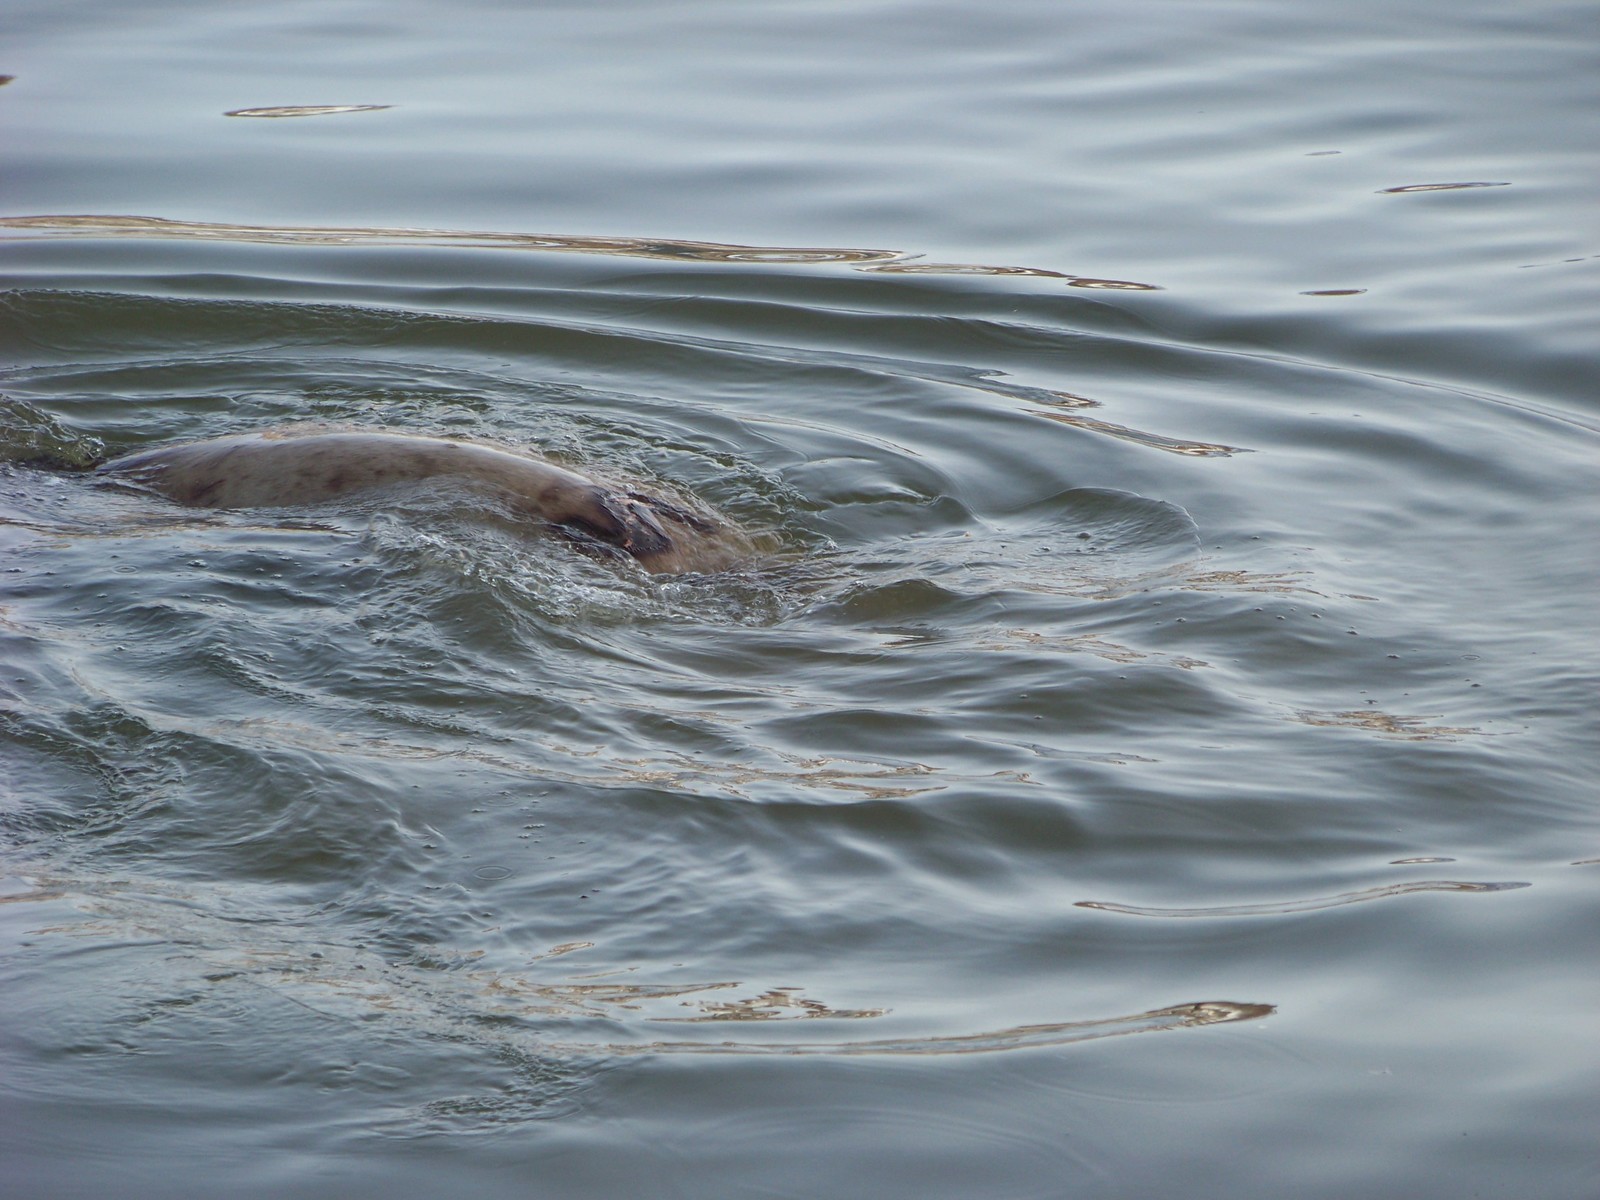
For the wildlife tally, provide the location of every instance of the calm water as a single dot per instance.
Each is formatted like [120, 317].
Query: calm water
[1154, 756]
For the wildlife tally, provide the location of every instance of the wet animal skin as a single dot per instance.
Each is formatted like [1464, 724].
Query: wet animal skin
[277, 469]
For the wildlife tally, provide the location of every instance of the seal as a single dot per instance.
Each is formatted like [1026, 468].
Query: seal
[276, 469]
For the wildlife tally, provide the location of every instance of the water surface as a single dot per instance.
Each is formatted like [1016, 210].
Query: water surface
[1153, 753]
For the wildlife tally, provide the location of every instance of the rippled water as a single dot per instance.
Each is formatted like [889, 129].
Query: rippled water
[1173, 456]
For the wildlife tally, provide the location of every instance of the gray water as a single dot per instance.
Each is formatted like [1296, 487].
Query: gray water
[1152, 754]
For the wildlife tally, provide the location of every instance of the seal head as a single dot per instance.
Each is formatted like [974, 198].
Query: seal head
[617, 521]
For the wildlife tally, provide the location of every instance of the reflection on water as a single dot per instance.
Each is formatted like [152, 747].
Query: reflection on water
[434, 993]
[1438, 187]
[158, 227]
[1392, 724]
[775, 1004]
[1022, 1037]
[1155, 441]
[305, 110]
[1088, 643]
[1112, 285]
[893, 261]
[1279, 908]
[912, 267]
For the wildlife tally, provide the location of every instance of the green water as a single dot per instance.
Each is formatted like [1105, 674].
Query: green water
[1153, 754]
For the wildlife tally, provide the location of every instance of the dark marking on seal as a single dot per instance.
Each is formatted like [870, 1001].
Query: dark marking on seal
[199, 495]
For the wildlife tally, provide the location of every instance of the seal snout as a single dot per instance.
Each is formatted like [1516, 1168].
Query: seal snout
[623, 522]
[645, 536]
